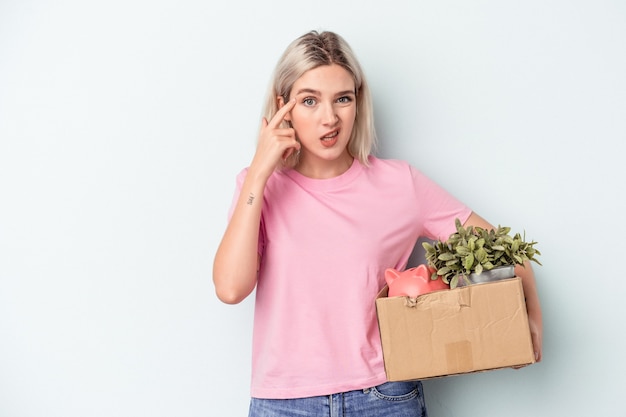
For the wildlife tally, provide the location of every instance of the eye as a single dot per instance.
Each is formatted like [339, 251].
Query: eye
[309, 101]
[344, 100]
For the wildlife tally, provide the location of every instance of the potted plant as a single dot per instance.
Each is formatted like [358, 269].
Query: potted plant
[473, 251]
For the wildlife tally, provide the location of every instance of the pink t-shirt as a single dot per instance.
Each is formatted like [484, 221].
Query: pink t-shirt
[324, 246]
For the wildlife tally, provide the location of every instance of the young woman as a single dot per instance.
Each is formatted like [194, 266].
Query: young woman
[315, 221]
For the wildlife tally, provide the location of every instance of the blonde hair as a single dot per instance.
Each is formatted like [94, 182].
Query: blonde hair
[312, 50]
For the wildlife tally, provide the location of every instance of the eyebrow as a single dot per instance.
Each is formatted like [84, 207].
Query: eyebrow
[315, 92]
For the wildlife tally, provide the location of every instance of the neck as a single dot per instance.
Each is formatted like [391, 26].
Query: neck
[325, 169]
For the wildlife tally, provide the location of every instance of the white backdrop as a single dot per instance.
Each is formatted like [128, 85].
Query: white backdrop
[124, 123]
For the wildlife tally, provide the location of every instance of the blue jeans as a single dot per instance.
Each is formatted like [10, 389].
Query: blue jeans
[397, 399]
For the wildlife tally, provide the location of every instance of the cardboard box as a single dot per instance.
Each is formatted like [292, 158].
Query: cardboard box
[468, 329]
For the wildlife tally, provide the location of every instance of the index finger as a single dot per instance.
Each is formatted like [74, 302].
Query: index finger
[281, 113]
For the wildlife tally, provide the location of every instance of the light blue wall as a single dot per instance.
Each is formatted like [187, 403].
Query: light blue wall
[124, 123]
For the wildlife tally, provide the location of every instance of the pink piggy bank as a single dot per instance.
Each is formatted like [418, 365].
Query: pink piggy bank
[412, 282]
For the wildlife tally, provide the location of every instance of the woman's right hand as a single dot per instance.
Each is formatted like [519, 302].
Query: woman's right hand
[275, 143]
[237, 258]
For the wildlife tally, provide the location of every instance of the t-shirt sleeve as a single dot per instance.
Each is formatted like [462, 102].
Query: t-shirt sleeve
[239, 184]
[438, 208]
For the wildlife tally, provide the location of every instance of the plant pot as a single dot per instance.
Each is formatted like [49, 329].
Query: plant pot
[495, 274]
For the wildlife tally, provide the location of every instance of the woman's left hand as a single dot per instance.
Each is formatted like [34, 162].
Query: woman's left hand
[536, 332]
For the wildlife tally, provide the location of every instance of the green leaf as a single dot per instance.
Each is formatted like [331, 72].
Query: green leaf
[454, 282]
[462, 250]
[446, 257]
[443, 271]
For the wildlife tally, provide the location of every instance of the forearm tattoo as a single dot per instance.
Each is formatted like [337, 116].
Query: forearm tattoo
[250, 199]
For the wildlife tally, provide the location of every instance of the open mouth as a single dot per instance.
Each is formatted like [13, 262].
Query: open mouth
[330, 136]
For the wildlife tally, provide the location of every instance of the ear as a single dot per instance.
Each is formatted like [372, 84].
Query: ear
[421, 271]
[391, 275]
[281, 103]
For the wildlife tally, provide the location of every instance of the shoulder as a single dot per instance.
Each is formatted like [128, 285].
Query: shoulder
[389, 164]
[242, 174]
[401, 171]
[392, 167]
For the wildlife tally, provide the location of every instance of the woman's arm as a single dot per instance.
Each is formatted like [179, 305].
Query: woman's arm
[527, 275]
[236, 261]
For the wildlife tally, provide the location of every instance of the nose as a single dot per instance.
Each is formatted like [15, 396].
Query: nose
[329, 116]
